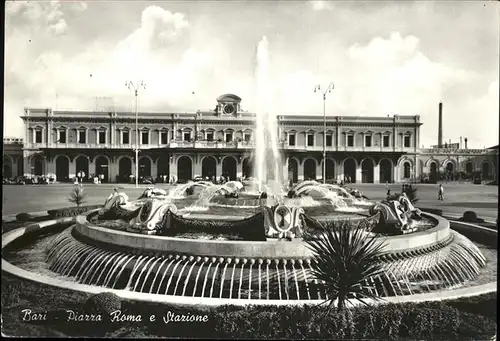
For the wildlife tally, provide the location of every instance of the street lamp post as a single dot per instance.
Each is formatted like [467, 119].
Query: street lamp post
[326, 91]
[135, 88]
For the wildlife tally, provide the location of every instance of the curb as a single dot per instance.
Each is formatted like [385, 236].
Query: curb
[12, 217]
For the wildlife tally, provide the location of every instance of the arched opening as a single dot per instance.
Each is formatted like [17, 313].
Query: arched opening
[385, 171]
[209, 167]
[433, 176]
[82, 165]
[406, 170]
[449, 167]
[229, 168]
[293, 170]
[309, 169]
[62, 168]
[144, 167]
[350, 171]
[485, 170]
[20, 166]
[101, 168]
[269, 172]
[164, 168]
[469, 168]
[184, 169]
[38, 165]
[367, 171]
[330, 169]
[247, 168]
[7, 167]
[124, 169]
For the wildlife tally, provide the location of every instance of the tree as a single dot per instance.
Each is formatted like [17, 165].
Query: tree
[344, 258]
[77, 195]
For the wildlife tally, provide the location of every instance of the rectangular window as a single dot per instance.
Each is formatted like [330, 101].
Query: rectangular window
[247, 137]
[386, 141]
[407, 141]
[350, 140]
[310, 140]
[329, 139]
[38, 136]
[126, 137]
[229, 137]
[102, 137]
[82, 137]
[62, 136]
[187, 136]
[210, 136]
[145, 137]
[291, 140]
[164, 137]
[368, 141]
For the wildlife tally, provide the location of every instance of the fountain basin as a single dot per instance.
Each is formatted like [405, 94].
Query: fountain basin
[213, 300]
[272, 248]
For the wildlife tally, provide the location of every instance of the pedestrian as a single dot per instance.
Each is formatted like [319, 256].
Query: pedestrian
[440, 192]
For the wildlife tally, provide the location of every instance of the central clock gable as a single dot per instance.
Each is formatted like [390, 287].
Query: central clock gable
[228, 105]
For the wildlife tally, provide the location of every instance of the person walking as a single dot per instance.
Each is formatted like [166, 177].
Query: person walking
[440, 192]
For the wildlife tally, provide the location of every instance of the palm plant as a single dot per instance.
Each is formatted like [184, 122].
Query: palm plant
[344, 258]
[77, 195]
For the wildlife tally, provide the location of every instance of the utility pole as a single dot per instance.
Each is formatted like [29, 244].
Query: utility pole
[136, 88]
[325, 92]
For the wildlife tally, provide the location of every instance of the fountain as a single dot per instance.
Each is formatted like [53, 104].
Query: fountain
[203, 243]
[161, 249]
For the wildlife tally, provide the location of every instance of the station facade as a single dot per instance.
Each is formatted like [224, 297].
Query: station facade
[183, 146]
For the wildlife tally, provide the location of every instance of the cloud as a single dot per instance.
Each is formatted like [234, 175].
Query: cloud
[375, 74]
[45, 15]
[101, 70]
[391, 75]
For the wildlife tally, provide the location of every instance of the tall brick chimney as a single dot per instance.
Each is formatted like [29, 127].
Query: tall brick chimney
[440, 126]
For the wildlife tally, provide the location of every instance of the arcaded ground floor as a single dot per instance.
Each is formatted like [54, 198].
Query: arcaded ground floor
[355, 167]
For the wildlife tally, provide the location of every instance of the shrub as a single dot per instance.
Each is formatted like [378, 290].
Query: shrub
[471, 216]
[10, 295]
[77, 195]
[71, 211]
[24, 217]
[104, 303]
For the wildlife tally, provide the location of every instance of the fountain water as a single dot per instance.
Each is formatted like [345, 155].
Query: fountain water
[266, 128]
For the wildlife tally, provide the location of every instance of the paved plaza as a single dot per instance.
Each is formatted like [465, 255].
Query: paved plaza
[482, 199]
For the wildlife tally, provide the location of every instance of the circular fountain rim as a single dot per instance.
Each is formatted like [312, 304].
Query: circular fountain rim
[13, 235]
[272, 248]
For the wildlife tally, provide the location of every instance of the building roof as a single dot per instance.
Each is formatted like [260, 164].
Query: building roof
[228, 98]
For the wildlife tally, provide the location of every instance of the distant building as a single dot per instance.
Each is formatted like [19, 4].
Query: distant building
[12, 163]
[221, 142]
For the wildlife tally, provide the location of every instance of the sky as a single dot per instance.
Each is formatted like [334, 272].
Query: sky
[384, 58]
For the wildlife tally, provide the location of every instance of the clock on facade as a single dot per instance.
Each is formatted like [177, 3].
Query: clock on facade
[229, 109]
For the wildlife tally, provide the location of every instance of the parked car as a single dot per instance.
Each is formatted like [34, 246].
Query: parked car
[22, 180]
[198, 178]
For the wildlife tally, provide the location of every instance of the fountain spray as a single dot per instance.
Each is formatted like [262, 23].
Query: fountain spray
[266, 133]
